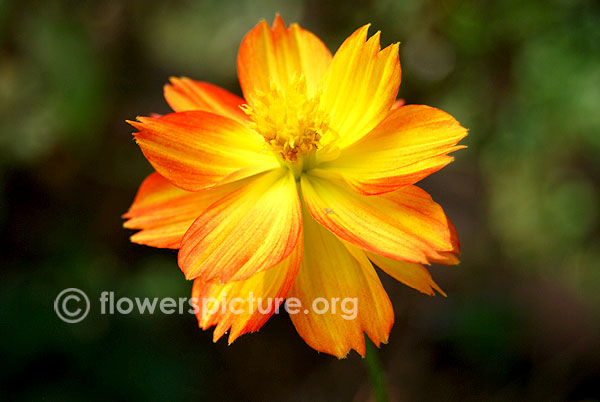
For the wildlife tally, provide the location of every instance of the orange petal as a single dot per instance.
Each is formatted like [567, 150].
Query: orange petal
[195, 150]
[165, 212]
[451, 257]
[331, 273]
[360, 86]
[248, 231]
[244, 306]
[414, 275]
[405, 225]
[413, 142]
[275, 55]
[184, 94]
[398, 104]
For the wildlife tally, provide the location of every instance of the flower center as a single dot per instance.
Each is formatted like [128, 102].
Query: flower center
[290, 120]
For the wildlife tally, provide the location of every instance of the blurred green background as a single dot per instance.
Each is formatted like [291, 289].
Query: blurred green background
[522, 317]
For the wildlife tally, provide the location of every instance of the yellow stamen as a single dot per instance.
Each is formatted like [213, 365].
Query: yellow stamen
[290, 120]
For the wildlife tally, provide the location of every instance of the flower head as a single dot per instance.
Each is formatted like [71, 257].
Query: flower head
[297, 189]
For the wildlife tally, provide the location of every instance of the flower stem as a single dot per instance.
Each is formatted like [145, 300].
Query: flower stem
[375, 371]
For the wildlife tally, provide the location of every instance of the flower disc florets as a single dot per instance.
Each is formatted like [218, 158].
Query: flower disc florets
[289, 119]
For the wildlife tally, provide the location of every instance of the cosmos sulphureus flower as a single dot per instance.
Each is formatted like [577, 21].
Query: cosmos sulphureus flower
[297, 189]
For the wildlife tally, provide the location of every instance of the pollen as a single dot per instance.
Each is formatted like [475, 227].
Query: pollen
[289, 119]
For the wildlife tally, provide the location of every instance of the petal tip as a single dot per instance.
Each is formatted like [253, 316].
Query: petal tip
[278, 20]
[133, 123]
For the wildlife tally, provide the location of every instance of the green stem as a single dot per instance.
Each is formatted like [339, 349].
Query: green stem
[375, 371]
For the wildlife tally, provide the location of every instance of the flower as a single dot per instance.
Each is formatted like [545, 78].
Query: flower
[297, 189]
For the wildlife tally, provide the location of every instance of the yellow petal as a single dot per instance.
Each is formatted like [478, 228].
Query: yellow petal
[329, 272]
[413, 142]
[195, 150]
[360, 86]
[165, 212]
[248, 231]
[275, 55]
[450, 257]
[244, 306]
[184, 94]
[405, 225]
[414, 275]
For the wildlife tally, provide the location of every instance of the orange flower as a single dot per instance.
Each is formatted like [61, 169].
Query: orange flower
[295, 190]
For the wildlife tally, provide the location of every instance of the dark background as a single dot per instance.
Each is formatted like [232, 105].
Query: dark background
[521, 321]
